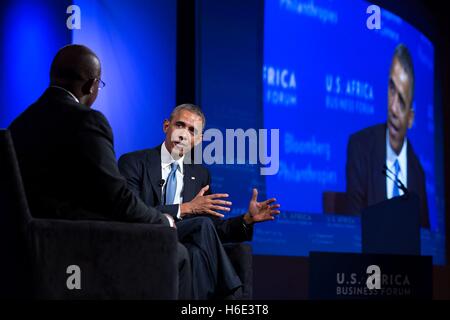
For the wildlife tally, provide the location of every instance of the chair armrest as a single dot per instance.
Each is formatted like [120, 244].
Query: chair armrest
[241, 258]
[117, 260]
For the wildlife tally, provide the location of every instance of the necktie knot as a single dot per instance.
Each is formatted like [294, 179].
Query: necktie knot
[174, 166]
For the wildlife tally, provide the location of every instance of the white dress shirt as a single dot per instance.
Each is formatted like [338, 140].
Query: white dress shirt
[402, 158]
[166, 162]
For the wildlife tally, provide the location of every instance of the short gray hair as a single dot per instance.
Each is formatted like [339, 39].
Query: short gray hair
[190, 107]
[404, 57]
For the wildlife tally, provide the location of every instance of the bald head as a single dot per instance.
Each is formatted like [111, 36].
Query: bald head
[77, 69]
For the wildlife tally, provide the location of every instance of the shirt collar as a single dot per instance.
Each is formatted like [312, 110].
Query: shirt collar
[391, 156]
[67, 91]
[167, 159]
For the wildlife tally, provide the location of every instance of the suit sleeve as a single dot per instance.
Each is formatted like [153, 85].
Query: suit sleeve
[356, 182]
[105, 185]
[131, 170]
[232, 229]
[171, 209]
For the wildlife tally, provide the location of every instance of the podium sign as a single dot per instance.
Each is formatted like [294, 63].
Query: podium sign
[369, 276]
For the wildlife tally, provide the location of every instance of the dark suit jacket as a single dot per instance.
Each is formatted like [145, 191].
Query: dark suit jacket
[366, 184]
[142, 169]
[66, 155]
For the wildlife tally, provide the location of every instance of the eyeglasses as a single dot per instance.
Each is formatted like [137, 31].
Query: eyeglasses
[101, 83]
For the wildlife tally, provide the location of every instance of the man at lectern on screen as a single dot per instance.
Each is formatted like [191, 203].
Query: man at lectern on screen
[386, 147]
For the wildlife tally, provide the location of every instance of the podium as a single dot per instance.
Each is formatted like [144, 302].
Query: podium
[392, 226]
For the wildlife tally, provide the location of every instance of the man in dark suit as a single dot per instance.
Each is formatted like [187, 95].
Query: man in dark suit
[370, 149]
[163, 179]
[66, 154]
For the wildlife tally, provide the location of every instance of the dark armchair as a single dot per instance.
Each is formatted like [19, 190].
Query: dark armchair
[116, 260]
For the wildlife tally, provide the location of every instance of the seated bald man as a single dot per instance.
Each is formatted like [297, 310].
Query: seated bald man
[66, 154]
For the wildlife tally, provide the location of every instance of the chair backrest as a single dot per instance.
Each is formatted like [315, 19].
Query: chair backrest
[14, 218]
[335, 202]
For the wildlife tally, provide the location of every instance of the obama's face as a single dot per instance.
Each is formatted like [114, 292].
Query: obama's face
[400, 112]
[183, 132]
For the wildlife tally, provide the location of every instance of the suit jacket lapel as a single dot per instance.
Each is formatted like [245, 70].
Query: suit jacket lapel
[153, 168]
[412, 182]
[188, 183]
[379, 179]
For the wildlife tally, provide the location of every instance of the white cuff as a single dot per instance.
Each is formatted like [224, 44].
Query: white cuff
[179, 212]
[171, 221]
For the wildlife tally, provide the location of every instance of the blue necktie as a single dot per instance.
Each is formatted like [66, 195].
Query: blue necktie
[395, 191]
[171, 186]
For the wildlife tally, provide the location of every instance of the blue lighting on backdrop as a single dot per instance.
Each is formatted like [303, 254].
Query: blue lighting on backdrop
[29, 43]
[135, 40]
[136, 43]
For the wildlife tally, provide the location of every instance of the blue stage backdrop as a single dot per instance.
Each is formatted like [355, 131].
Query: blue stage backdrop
[229, 57]
[136, 42]
[32, 32]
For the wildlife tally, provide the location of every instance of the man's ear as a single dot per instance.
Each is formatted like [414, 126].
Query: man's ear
[411, 116]
[88, 87]
[166, 125]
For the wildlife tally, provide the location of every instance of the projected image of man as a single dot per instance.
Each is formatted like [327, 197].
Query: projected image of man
[387, 145]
